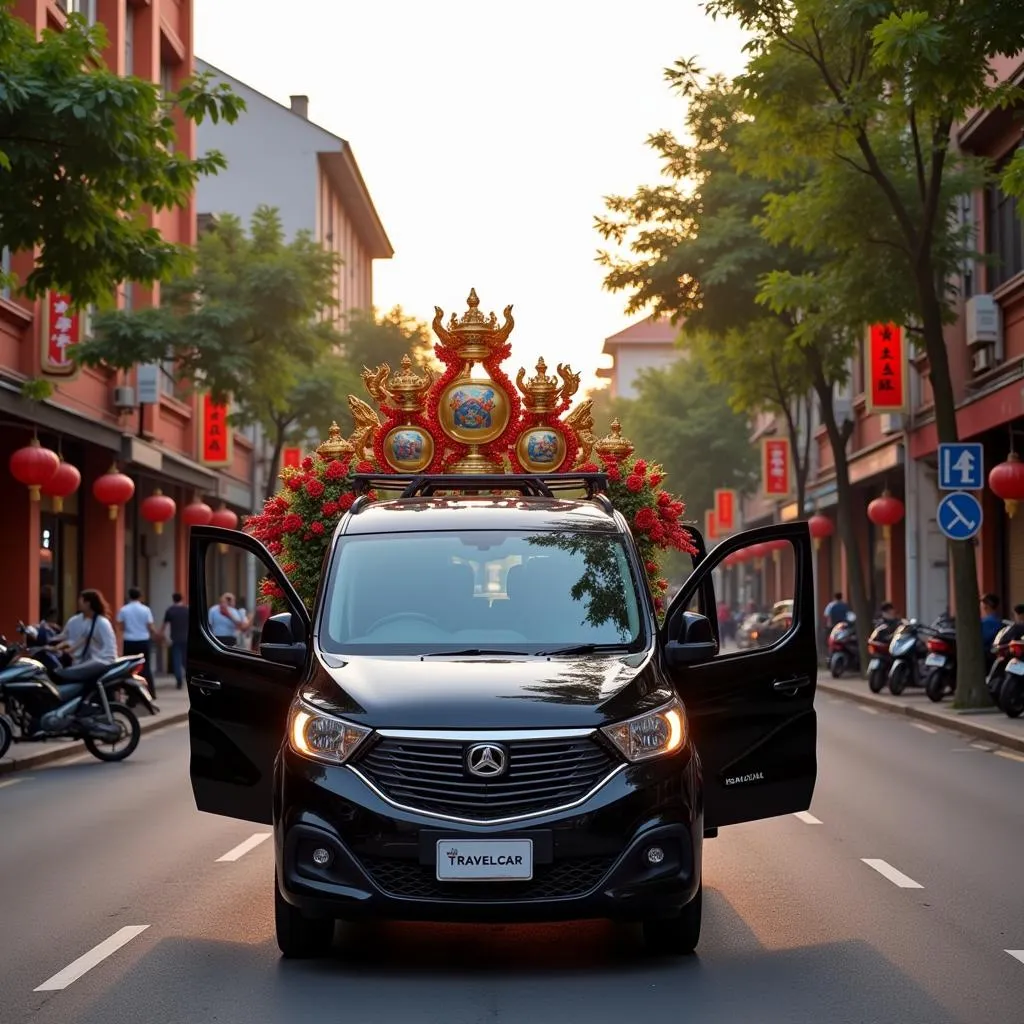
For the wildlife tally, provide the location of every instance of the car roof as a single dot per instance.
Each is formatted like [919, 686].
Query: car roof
[480, 513]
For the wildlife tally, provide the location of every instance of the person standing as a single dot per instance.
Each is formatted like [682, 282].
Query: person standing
[138, 631]
[226, 621]
[176, 622]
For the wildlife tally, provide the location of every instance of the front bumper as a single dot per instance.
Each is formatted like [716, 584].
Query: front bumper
[589, 862]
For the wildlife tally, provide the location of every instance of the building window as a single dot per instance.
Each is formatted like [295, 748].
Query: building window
[167, 88]
[1004, 239]
[168, 381]
[129, 41]
[86, 7]
[86, 321]
[5, 269]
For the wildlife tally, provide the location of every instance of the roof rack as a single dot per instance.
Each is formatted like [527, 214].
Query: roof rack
[530, 485]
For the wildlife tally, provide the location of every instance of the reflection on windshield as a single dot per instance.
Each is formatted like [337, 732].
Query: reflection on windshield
[486, 590]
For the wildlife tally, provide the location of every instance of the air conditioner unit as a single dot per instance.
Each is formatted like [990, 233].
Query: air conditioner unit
[983, 359]
[124, 398]
[981, 314]
[892, 422]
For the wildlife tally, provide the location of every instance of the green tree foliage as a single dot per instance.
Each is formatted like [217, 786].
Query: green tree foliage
[871, 91]
[85, 154]
[372, 339]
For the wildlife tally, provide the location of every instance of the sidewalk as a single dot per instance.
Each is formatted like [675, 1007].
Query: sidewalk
[173, 705]
[991, 725]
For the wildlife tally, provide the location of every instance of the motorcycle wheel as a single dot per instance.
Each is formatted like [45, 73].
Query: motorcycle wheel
[6, 734]
[876, 681]
[935, 685]
[898, 679]
[1013, 698]
[125, 746]
[837, 665]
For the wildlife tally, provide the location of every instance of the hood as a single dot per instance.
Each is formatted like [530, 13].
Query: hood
[487, 692]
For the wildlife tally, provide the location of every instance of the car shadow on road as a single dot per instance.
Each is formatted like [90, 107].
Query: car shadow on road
[592, 972]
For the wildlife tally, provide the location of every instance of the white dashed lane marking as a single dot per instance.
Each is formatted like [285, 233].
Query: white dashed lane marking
[1017, 954]
[1009, 756]
[924, 728]
[807, 818]
[10, 782]
[867, 711]
[88, 961]
[886, 870]
[243, 848]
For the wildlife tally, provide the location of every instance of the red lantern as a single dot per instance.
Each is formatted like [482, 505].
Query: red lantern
[820, 527]
[197, 514]
[34, 466]
[776, 547]
[885, 512]
[759, 551]
[158, 509]
[62, 484]
[113, 489]
[225, 518]
[1007, 482]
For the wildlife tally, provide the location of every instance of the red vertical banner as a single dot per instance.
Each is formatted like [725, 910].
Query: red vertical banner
[60, 333]
[887, 369]
[725, 510]
[710, 526]
[214, 434]
[775, 467]
[291, 457]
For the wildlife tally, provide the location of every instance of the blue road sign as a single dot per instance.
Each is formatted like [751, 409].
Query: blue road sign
[959, 515]
[961, 467]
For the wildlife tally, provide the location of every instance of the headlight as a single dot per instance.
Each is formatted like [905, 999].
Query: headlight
[323, 737]
[653, 734]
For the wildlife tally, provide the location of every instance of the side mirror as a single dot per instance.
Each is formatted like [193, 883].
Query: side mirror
[696, 643]
[279, 643]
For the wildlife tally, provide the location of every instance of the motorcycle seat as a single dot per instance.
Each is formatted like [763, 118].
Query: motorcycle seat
[89, 671]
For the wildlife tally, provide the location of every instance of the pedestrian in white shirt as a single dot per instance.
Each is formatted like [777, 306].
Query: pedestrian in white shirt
[137, 631]
[89, 636]
[226, 621]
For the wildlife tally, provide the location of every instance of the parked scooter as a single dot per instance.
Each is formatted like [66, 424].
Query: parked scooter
[940, 665]
[1000, 658]
[70, 703]
[843, 648]
[1011, 694]
[907, 652]
[878, 650]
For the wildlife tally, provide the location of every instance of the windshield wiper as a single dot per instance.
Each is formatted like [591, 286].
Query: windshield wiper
[583, 649]
[471, 652]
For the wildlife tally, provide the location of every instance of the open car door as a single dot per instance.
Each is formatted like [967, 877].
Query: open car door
[751, 711]
[238, 698]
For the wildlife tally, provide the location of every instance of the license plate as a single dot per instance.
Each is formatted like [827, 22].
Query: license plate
[874, 664]
[484, 860]
[1015, 668]
[935, 660]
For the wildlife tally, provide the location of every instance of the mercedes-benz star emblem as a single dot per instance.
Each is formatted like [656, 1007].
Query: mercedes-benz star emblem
[486, 760]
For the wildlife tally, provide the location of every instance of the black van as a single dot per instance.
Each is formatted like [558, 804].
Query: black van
[481, 719]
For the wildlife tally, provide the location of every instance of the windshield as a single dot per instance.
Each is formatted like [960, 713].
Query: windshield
[479, 590]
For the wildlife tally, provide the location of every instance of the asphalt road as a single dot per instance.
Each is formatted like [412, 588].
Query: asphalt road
[798, 926]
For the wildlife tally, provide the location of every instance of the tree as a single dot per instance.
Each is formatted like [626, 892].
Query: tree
[372, 339]
[85, 153]
[875, 90]
[252, 323]
[697, 251]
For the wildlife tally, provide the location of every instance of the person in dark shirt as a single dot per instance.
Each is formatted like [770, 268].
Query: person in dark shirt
[176, 618]
[991, 622]
[887, 613]
[836, 611]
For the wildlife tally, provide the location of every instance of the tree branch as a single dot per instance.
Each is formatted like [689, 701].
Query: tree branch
[922, 185]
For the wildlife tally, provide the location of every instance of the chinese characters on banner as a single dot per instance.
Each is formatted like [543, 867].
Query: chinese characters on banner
[887, 374]
[725, 510]
[214, 434]
[775, 463]
[291, 458]
[60, 332]
[710, 526]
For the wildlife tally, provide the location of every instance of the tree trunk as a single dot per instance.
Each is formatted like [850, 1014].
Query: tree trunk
[838, 437]
[971, 691]
[271, 484]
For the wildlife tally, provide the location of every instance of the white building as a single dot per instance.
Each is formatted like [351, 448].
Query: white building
[649, 344]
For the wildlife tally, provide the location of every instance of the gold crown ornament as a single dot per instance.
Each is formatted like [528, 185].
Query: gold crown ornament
[335, 447]
[614, 447]
[541, 393]
[475, 336]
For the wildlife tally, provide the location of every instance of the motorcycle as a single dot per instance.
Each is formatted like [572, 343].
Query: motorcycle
[878, 649]
[844, 651]
[1000, 656]
[75, 703]
[940, 664]
[1011, 695]
[907, 651]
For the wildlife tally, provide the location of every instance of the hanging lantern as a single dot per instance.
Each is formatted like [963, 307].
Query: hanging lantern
[62, 484]
[820, 527]
[158, 509]
[34, 466]
[225, 518]
[1007, 482]
[776, 547]
[198, 513]
[885, 512]
[113, 489]
[759, 551]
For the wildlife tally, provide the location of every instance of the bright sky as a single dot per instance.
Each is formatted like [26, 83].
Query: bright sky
[487, 133]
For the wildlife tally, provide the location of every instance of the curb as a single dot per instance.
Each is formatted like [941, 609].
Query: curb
[72, 748]
[962, 724]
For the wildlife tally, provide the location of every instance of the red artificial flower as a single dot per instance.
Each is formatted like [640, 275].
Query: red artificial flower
[307, 536]
[274, 547]
[645, 519]
[661, 584]
[664, 498]
[292, 523]
[659, 604]
[640, 468]
[589, 467]
[329, 508]
[317, 528]
[635, 483]
[307, 463]
[294, 483]
[657, 533]
[365, 467]
[656, 478]
[345, 502]
[314, 488]
[651, 566]
[335, 471]
[614, 473]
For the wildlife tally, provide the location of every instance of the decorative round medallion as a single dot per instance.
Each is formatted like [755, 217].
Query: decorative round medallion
[408, 449]
[541, 449]
[473, 411]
